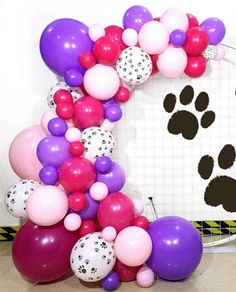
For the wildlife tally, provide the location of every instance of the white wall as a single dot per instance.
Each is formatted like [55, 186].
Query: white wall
[25, 79]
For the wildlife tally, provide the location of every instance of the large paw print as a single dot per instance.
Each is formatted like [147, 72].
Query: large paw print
[82, 269]
[184, 122]
[221, 189]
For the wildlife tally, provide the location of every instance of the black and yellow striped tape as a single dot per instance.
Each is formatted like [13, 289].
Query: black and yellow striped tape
[227, 227]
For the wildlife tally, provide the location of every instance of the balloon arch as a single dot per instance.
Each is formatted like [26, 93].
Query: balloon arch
[70, 187]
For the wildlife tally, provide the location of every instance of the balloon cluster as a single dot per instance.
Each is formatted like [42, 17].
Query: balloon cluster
[70, 188]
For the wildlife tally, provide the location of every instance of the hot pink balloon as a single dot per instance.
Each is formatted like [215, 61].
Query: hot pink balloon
[22, 153]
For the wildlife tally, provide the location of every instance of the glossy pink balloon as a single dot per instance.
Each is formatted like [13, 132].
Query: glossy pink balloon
[22, 153]
[42, 254]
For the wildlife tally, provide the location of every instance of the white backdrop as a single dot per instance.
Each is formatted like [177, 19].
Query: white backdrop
[25, 79]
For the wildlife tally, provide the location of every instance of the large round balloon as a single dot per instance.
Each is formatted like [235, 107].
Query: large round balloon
[42, 254]
[61, 43]
[92, 258]
[22, 153]
[215, 29]
[176, 248]
[116, 210]
[17, 195]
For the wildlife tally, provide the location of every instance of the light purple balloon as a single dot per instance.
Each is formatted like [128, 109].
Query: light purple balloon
[115, 179]
[215, 29]
[136, 16]
[176, 248]
[53, 151]
[62, 42]
[178, 37]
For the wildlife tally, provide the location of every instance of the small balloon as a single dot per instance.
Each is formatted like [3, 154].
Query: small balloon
[72, 222]
[173, 19]
[62, 95]
[126, 274]
[115, 32]
[77, 201]
[76, 148]
[98, 191]
[57, 127]
[65, 110]
[196, 41]
[103, 164]
[73, 78]
[111, 282]
[113, 113]
[87, 60]
[145, 277]
[177, 38]
[196, 66]
[48, 175]
[73, 134]
[96, 31]
[215, 29]
[109, 233]
[86, 227]
[122, 95]
[130, 37]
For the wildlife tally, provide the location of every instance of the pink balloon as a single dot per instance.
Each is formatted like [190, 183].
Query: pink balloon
[153, 37]
[145, 277]
[101, 82]
[22, 153]
[172, 62]
[47, 205]
[138, 206]
[173, 19]
[98, 191]
[96, 31]
[133, 246]
[72, 222]
[73, 134]
[130, 37]
[109, 233]
[220, 53]
[107, 125]
[46, 117]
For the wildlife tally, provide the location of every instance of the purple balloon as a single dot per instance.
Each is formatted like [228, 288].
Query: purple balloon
[111, 282]
[73, 78]
[215, 29]
[49, 175]
[113, 113]
[57, 127]
[109, 102]
[115, 179]
[176, 248]
[61, 44]
[42, 254]
[53, 151]
[103, 164]
[136, 16]
[177, 37]
[90, 211]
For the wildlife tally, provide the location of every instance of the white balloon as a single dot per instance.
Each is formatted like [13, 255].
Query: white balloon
[76, 93]
[134, 66]
[97, 142]
[17, 195]
[210, 52]
[92, 258]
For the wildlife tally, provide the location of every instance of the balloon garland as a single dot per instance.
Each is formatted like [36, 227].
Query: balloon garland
[70, 187]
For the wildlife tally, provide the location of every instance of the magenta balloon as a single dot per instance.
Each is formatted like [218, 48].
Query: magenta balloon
[61, 44]
[176, 248]
[42, 254]
[115, 179]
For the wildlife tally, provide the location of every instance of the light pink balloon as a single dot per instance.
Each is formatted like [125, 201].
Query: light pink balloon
[96, 31]
[98, 191]
[46, 117]
[133, 246]
[107, 125]
[72, 222]
[220, 53]
[145, 277]
[101, 82]
[138, 206]
[109, 233]
[172, 62]
[153, 37]
[47, 205]
[130, 37]
[22, 153]
[73, 134]
[173, 19]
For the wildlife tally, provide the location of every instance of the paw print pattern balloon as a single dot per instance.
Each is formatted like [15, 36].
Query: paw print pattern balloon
[17, 196]
[134, 66]
[92, 258]
[76, 93]
[210, 52]
[97, 142]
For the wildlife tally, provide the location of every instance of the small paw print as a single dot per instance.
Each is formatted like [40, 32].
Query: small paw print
[93, 270]
[184, 122]
[96, 249]
[82, 245]
[108, 261]
[103, 245]
[221, 189]
[87, 262]
[80, 257]
[82, 269]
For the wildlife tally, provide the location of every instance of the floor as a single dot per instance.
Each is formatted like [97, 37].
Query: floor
[216, 273]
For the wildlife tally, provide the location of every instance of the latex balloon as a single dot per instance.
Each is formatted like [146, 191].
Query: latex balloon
[48, 175]
[192, 20]
[215, 29]
[77, 201]
[22, 153]
[90, 210]
[111, 282]
[43, 254]
[142, 222]
[196, 41]
[76, 148]
[86, 227]
[130, 37]
[115, 32]
[61, 43]
[87, 60]
[126, 274]
[196, 66]
[96, 31]
[62, 95]
[145, 277]
[174, 18]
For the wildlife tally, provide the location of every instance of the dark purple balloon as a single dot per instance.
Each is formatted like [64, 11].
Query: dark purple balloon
[61, 44]
[215, 29]
[176, 248]
[178, 37]
[103, 164]
[113, 113]
[115, 179]
[57, 127]
[111, 282]
[53, 150]
[42, 254]
[136, 16]
[49, 175]
[73, 78]
[109, 102]
[90, 211]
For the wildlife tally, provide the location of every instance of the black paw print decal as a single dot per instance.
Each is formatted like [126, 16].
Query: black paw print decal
[108, 261]
[80, 257]
[82, 269]
[13, 201]
[96, 249]
[103, 245]
[82, 245]
[93, 270]
[221, 189]
[87, 262]
[184, 122]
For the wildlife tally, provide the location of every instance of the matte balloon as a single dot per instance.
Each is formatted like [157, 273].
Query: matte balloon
[86, 227]
[96, 31]
[103, 164]
[145, 277]
[61, 43]
[196, 66]
[98, 191]
[136, 16]
[215, 29]
[174, 18]
[126, 274]
[114, 179]
[107, 125]
[72, 222]
[22, 153]
[101, 82]
[47, 205]
[115, 32]
[130, 37]
[177, 37]
[43, 254]
[177, 248]
[73, 78]
[53, 150]
[109, 233]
